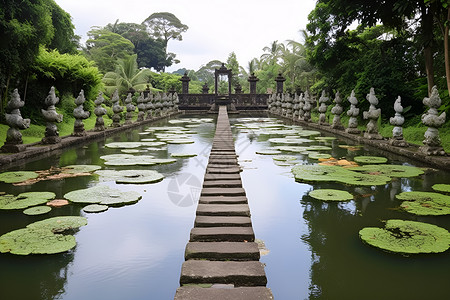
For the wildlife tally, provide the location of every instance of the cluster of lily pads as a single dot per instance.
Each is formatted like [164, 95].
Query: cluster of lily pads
[427, 203]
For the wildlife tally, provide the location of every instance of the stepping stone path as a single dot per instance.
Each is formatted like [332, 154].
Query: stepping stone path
[222, 258]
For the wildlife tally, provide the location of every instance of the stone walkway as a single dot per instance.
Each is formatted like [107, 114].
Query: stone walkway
[222, 258]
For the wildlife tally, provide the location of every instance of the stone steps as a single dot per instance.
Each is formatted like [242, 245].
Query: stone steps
[240, 293]
[235, 251]
[222, 234]
[215, 221]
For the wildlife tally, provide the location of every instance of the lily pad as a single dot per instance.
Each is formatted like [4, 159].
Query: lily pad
[57, 203]
[390, 170]
[308, 132]
[313, 173]
[318, 148]
[17, 176]
[73, 169]
[131, 151]
[408, 237]
[123, 145]
[284, 157]
[331, 195]
[37, 210]
[294, 149]
[180, 141]
[41, 238]
[370, 159]
[268, 152]
[425, 203]
[290, 141]
[103, 194]
[95, 208]
[183, 155]
[351, 147]
[130, 176]
[324, 138]
[25, 200]
[317, 155]
[440, 187]
[128, 160]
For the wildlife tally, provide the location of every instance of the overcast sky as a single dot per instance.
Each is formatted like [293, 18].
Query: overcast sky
[216, 28]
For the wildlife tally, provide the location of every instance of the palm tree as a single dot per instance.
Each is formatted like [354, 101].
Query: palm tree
[272, 54]
[126, 77]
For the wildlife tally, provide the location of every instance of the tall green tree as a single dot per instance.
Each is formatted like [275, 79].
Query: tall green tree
[272, 53]
[106, 48]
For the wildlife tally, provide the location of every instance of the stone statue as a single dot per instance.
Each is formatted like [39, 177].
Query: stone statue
[176, 101]
[51, 116]
[301, 105]
[141, 107]
[337, 110]
[80, 114]
[432, 143]
[117, 109]
[130, 109]
[397, 121]
[307, 107]
[295, 102]
[323, 109]
[150, 106]
[158, 105]
[99, 111]
[15, 121]
[353, 113]
[372, 114]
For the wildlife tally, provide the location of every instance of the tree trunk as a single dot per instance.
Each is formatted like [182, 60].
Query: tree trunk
[428, 37]
[447, 56]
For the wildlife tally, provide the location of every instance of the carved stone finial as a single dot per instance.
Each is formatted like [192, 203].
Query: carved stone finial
[99, 111]
[307, 107]
[397, 121]
[432, 143]
[337, 110]
[51, 116]
[130, 109]
[323, 109]
[372, 114]
[117, 109]
[353, 113]
[80, 114]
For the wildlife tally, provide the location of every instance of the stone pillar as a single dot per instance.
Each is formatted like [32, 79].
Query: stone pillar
[99, 111]
[432, 143]
[397, 121]
[117, 109]
[149, 107]
[307, 107]
[185, 84]
[141, 107]
[252, 79]
[51, 116]
[323, 109]
[14, 142]
[80, 114]
[353, 113]
[372, 114]
[280, 83]
[238, 89]
[130, 109]
[301, 105]
[337, 110]
[295, 102]
[205, 89]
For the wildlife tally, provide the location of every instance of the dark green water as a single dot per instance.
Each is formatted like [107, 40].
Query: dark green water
[136, 251]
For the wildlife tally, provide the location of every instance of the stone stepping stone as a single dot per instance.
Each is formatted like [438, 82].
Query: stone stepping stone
[222, 183]
[217, 221]
[223, 210]
[223, 161]
[226, 191]
[217, 152]
[240, 293]
[223, 200]
[222, 251]
[217, 177]
[239, 273]
[222, 170]
[222, 234]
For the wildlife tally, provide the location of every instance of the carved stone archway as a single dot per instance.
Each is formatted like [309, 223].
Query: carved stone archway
[222, 71]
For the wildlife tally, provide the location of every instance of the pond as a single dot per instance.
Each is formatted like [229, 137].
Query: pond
[136, 251]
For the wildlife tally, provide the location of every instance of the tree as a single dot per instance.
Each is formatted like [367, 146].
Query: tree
[273, 53]
[127, 77]
[106, 48]
[165, 26]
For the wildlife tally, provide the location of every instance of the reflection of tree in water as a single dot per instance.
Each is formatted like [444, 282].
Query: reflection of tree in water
[35, 276]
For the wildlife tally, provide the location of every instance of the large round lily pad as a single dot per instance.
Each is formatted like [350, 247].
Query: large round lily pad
[317, 155]
[123, 145]
[130, 176]
[289, 141]
[370, 159]
[37, 210]
[321, 173]
[95, 208]
[268, 152]
[131, 160]
[41, 238]
[390, 170]
[440, 187]
[425, 203]
[407, 237]
[17, 176]
[331, 195]
[103, 194]
[284, 157]
[25, 200]
[183, 155]
[308, 132]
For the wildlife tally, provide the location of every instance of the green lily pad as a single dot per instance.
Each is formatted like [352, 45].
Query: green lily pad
[153, 144]
[321, 173]
[17, 176]
[103, 194]
[95, 208]
[425, 203]
[182, 155]
[408, 237]
[73, 169]
[308, 132]
[41, 238]
[180, 141]
[390, 170]
[25, 200]
[318, 148]
[440, 187]
[148, 140]
[164, 161]
[268, 152]
[37, 210]
[317, 155]
[131, 151]
[331, 195]
[124, 145]
[289, 141]
[128, 160]
[284, 157]
[324, 138]
[294, 149]
[370, 159]
[130, 176]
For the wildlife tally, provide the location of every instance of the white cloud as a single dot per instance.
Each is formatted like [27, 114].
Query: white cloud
[216, 28]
